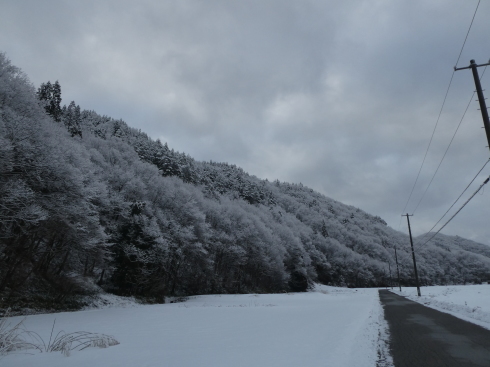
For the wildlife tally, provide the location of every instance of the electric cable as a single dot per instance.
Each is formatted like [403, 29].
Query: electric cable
[467, 33]
[459, 197]
[449, 145]
[430, 142]
[440, 112]
[467, 201]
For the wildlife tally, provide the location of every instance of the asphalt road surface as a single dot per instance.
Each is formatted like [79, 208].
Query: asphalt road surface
[423, 337]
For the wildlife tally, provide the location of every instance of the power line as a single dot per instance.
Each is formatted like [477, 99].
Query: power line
[467, 201]
[430, 142]
[467, 33]
[449, 145]
[459, 197]
[444, 152]
[440, 112]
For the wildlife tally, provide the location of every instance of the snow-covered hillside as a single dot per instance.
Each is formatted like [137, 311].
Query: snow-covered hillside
[328, 327]
[89, 205]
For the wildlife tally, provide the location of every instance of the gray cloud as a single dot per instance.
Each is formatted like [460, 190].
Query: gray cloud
[341, 96]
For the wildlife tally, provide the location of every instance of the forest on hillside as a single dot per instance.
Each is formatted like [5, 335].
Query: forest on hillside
[89, 205]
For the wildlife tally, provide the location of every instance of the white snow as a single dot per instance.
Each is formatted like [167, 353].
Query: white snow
[385, 358]
[335, 327]
[106, 300]
[468, 302]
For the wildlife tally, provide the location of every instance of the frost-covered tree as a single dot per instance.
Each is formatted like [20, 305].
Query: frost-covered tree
[50, 97]
[120, 212]
[72, 119]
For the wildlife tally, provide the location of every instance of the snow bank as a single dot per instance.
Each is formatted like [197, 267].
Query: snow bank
[468, 302]
[385, 358]
[333, 327]
[106, 300]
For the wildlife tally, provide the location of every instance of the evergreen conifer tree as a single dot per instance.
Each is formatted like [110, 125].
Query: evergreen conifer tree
[55, 103]
[50, 96]
[72, 119]
[324, 229]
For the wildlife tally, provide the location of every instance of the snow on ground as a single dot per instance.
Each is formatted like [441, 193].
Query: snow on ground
[335, 327]
[106, 300]
[385, 358]
[468, 302]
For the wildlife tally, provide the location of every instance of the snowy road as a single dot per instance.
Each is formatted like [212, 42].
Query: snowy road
[421, 336]
[333, 327]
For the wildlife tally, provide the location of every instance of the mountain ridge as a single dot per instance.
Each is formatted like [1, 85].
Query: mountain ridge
[90, 204]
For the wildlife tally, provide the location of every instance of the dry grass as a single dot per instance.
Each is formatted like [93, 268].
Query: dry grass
[14, 338]
[79, 340]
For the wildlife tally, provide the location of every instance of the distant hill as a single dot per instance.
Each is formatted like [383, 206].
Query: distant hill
[88, 203]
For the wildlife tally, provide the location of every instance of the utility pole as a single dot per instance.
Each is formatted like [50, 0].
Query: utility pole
[398, 271]
[413, 254]
[391, 279]
[481, 98]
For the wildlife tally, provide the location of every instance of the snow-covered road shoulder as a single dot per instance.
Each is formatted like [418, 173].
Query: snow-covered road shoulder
[335, 327]
[468, 302]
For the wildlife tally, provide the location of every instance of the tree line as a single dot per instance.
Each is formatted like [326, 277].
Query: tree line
[89, 204]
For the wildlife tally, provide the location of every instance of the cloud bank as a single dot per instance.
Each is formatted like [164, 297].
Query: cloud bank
[340, 96]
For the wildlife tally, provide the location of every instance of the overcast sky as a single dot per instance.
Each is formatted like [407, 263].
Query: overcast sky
[341, 96]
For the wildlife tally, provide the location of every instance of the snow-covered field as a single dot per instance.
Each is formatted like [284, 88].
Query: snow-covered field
[327, 327]
[468, 302]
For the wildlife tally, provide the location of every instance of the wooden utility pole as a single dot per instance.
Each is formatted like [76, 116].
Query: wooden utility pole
[398, 271]
[413, 254]
[391, 279]
[481, 98]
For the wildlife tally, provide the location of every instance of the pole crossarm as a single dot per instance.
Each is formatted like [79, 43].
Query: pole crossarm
[469, 67]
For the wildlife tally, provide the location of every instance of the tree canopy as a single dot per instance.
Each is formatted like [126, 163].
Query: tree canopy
[89, 204]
